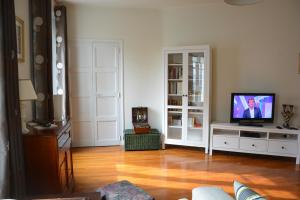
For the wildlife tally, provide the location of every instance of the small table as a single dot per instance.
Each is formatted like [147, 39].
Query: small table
[146, 141]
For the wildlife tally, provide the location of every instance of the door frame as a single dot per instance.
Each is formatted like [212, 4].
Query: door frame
[121, 79]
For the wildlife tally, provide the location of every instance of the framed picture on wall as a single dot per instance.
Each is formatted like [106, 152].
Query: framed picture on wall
[20, 39]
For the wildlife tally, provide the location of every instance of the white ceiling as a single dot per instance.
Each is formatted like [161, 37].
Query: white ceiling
[142, 3]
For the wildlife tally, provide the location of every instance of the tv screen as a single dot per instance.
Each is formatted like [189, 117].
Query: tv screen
[252, 107]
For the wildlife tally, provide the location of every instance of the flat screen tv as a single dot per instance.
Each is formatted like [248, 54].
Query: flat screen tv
[252, 107]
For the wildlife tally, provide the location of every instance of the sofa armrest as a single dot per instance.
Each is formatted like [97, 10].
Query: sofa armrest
[210, 193]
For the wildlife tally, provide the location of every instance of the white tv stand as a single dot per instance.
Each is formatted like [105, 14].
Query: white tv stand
[267, 140]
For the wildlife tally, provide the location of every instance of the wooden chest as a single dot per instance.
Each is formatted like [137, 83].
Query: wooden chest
[140, 120]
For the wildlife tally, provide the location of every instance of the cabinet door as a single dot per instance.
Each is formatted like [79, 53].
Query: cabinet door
[174, 75]
[195, 89]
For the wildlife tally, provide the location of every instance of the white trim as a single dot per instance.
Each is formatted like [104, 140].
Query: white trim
[179, 49]
[121, 90]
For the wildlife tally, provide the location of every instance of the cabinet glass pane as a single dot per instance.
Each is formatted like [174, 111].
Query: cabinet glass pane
[195, 123]
[174, 124]
[196, 79]
[175, 72]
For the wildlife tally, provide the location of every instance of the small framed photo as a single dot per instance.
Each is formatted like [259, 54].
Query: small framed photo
[20, 39]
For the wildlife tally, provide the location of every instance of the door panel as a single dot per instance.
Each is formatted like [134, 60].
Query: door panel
[174, 76]
[195, 88]
[95, 92]
[80, 73]
[107, 92]
[80, 84]
[83, 133]
[106, 82]
[106, 107]
[81, 109]
[107, 133]
[106, 55]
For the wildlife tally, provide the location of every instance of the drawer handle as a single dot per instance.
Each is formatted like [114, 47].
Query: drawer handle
[253, 145]
[282, 147]
[225, 142]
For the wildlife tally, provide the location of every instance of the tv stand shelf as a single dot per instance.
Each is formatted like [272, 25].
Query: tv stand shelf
[267, 140]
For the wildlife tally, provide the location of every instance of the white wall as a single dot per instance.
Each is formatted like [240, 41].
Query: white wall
[140, 30]
[255, 49]
[22, 11]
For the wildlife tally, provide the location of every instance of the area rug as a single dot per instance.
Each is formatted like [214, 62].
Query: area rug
[123, 190]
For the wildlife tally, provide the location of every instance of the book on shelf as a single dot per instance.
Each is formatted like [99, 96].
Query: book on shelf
[172, 88]
[175, 88]
[175, 73]
[180, 72]
[170, 119]
[179, 88]
[191, 121]
[175, 102]
[197, 125]
[176, 122]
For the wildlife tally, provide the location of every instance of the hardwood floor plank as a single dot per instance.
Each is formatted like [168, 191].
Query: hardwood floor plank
[174, 172]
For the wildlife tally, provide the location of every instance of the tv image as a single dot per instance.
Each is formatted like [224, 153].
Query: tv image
[256, 107]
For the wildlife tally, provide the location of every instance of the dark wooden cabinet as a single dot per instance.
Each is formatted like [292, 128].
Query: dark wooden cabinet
[48, 160]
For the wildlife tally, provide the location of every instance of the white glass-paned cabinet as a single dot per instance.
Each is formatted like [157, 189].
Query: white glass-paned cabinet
[187, 92]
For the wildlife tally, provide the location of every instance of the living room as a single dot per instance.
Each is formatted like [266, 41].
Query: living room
[248, 49]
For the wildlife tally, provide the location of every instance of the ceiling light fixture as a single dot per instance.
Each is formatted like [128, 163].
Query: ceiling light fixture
[241, 2]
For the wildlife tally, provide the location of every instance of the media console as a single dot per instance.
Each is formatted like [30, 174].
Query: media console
[267, 140]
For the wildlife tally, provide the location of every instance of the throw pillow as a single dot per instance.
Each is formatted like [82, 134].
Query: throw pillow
[242, 192]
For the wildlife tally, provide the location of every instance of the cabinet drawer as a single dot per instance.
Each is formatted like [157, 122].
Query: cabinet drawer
[253, 145]
[225, 142]
[283, 147]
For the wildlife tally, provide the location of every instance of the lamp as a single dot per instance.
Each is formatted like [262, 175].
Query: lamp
[241, 2]
[26, 93]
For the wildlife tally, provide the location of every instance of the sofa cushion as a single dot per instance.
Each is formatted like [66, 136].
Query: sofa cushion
[210, 193]
[242, 192]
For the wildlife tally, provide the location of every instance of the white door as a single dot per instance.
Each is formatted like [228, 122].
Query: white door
[107, 93]
[95, 80]
[81, 93]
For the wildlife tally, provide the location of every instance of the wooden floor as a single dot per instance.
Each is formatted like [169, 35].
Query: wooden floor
[173, 173]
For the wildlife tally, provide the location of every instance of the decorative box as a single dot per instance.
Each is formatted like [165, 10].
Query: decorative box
[140, 120]
[149, 141]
